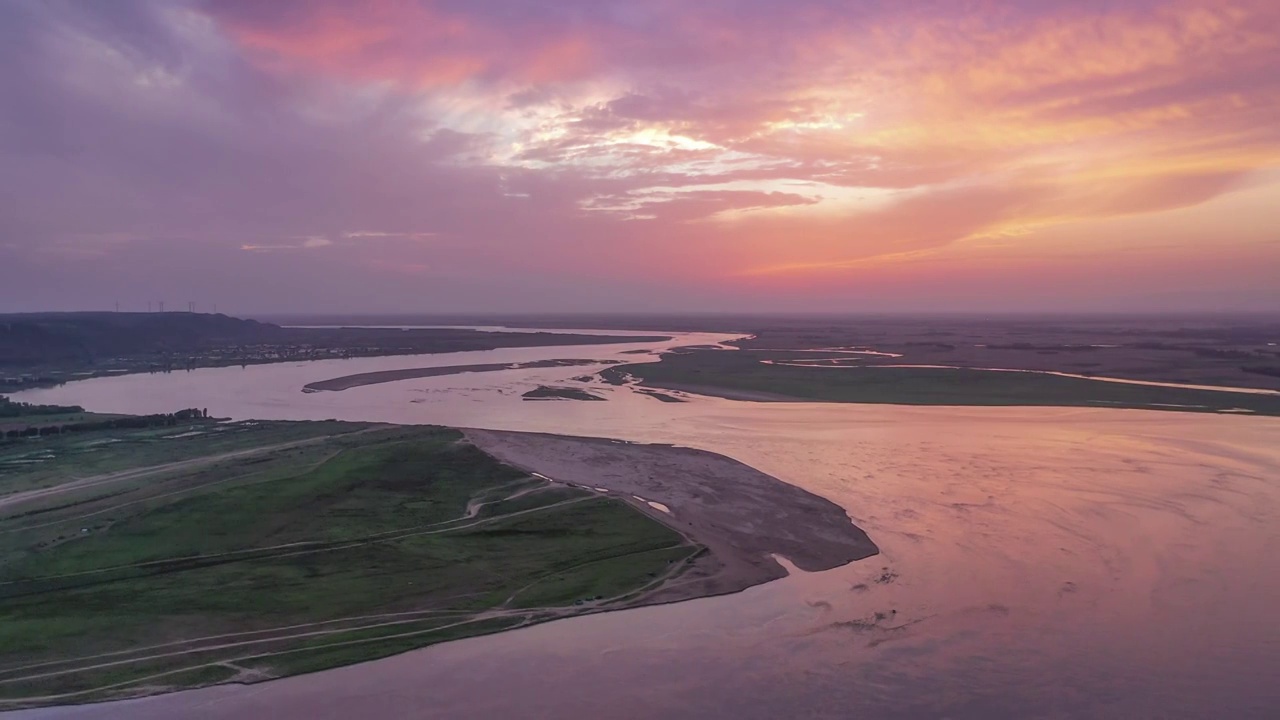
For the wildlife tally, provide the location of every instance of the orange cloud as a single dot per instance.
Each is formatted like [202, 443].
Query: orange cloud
[1002, 123]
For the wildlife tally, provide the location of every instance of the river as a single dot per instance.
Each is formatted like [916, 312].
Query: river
[1036, 562]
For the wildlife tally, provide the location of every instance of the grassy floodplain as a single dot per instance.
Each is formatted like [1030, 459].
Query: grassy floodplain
[742, 374]
[138, 561]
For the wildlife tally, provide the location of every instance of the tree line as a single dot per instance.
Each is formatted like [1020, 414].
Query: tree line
[119, 423]
[11, 409]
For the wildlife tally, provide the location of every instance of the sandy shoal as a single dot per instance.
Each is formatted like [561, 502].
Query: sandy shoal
[741, 515]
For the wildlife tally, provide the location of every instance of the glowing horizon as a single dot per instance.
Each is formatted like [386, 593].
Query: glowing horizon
[574, 155]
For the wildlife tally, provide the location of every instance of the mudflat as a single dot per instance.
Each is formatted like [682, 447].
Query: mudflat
[741, 515]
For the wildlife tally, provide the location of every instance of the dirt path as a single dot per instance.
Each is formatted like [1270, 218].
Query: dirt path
[236, 660]
[265, 632]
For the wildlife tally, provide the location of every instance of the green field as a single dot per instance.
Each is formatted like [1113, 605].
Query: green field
[727, 372]
[26, 464]
[239, 551]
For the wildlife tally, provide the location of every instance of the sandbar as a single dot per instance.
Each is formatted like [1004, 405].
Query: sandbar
[556, 392]
[346, 382]
[741, 515]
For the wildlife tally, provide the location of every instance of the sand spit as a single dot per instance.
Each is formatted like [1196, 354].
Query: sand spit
[740, 514]
[346, 382]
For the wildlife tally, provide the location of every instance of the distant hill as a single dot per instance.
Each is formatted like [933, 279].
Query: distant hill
[44, 349]
[32, 339]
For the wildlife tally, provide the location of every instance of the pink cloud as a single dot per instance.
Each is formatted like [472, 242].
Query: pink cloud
[668, 145]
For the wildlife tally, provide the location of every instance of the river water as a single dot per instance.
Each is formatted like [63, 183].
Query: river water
[1036, 562]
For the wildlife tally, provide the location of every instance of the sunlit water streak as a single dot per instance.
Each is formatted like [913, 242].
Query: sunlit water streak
[1037, 562]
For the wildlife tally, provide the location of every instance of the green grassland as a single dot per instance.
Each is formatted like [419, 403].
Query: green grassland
[268, 549]
[27, 464]
[712, 372]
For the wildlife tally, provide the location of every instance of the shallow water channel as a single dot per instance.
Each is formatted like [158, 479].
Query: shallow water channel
[1036, 562]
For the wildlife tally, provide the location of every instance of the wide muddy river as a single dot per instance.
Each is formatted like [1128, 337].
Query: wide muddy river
[1036, 562]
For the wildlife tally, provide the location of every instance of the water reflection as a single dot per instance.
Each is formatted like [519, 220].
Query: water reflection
[1037, 562]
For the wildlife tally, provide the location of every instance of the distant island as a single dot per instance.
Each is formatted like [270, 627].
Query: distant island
[47, 349]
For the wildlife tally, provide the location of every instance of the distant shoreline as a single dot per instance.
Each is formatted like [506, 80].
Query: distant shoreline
[50, 349]
[775, 376]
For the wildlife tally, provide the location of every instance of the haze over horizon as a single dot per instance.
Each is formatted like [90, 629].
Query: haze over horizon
[603, 156]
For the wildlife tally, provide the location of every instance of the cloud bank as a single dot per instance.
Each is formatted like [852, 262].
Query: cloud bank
[497, 155]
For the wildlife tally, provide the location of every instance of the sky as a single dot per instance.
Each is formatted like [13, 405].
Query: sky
[641, 155]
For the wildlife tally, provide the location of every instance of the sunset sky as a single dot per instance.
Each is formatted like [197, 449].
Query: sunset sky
[642, 155]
